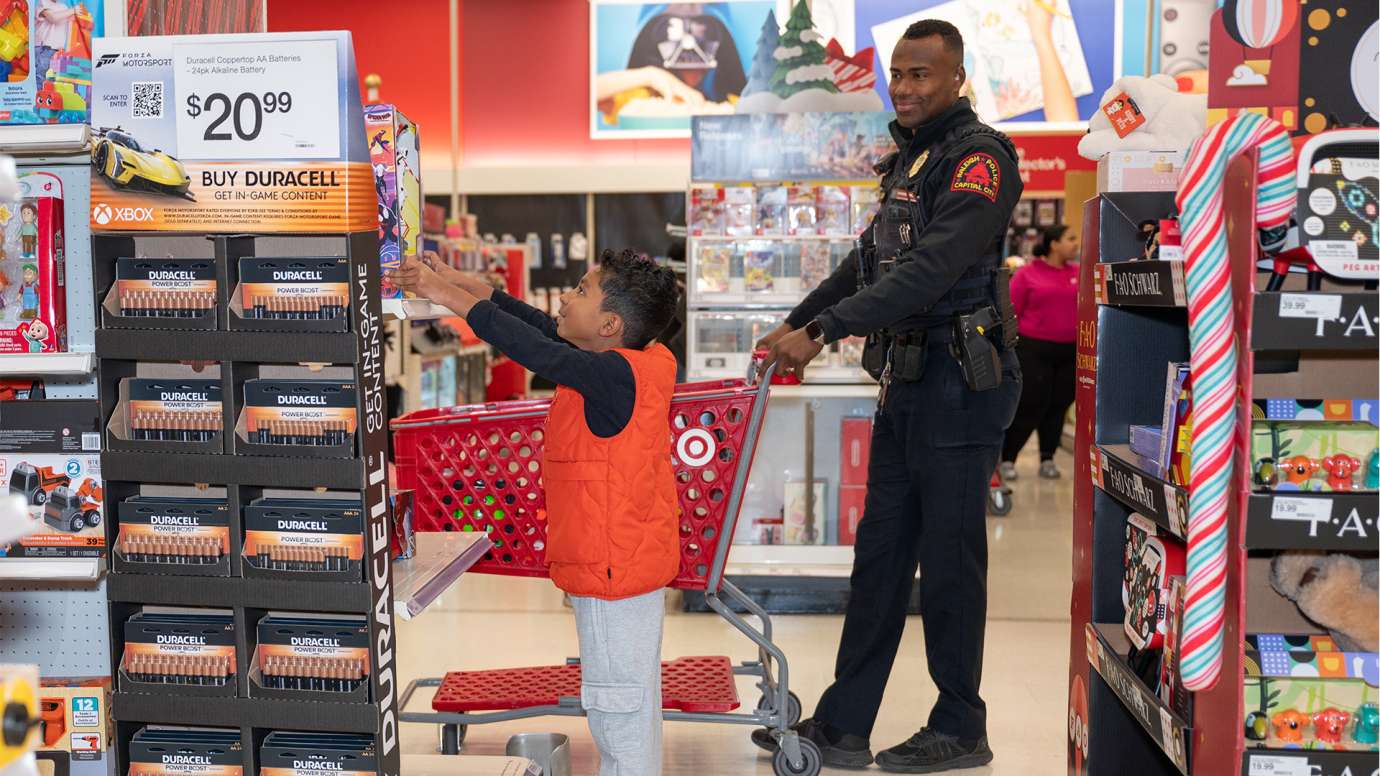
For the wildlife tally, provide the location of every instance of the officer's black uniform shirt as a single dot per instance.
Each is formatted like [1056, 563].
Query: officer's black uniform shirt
[963, 223]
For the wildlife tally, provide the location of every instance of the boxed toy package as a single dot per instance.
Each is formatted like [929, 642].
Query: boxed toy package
[187, 652]
[865, 200]
[1302, 691]
[761, 264]
[1321, 455]
[33, 277]
[75, 724]
[715, 266]
[396, 159]
[739, 204]
[832, 210]
[771, 210]
[45, 60]
[803, 218]
[301, 655]
[706, 211]
[50, 453]
[177, 751]
[816, 263]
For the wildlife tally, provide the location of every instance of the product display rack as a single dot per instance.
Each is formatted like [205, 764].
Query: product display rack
[1133, 320]
[241, 355]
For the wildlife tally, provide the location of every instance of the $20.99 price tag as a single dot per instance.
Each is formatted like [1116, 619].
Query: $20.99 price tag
[265, 101]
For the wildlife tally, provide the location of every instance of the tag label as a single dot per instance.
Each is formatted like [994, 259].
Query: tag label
[1270, 765]
[1124, 114]
[1313, 511]
[1325, 306]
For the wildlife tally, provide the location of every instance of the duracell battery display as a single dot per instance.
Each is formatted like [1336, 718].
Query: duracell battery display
[298, 655]
[165, 535]
[184, 751]
[166, 288]
[301, 413]
[304, 539]
[295, 289]
[316, 754]
[174, 410]
[180, 651]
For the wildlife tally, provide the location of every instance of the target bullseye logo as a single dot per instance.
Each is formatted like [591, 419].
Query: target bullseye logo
[695, 447]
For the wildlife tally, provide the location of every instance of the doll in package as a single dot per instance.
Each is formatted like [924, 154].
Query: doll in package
[33, 292]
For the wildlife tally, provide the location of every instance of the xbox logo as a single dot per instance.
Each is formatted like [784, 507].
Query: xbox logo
[102, 214]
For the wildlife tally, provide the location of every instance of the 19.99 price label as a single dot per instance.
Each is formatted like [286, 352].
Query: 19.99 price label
[273, 100]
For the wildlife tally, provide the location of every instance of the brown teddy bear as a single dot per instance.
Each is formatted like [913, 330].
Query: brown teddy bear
[1336, 591]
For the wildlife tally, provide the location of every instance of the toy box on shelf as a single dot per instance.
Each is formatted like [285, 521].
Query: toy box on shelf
[52, 458]
[396, 161]
[1325, 448]
[45, 61]
[1303, 692]
[33, 287]
[75, 716]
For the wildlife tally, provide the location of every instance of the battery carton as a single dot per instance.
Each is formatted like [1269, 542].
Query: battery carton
[306, 539]
[301, 294]
[172, 413]
[311, 658]
[179, 653]
[177, 536]
[168, 751]
[315, 754]
[162, 293]
[315, 418]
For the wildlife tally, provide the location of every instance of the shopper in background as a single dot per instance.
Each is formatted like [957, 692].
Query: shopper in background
[1045, 295]
[930, 259]
[613, 532]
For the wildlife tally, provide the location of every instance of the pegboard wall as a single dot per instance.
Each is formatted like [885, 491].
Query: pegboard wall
[60, 626]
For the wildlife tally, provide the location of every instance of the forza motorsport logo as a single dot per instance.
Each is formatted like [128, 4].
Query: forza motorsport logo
[979, 174]
[103, 214]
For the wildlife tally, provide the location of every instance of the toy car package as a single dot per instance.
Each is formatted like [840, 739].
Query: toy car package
[50, 453]
[45, 60]
[33, 277]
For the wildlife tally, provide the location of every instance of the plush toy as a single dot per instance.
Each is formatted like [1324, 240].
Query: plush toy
[1341, 470]
[1336, 591]
[1173, 120]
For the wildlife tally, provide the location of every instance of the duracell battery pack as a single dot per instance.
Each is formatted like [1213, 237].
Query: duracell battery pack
[162, 294]
[300, 418]
[306, 539]
[176, 751]
[311, 658]
[316, 754]
[163, 414]
[178, 536]
[183, 653]
[292, 294]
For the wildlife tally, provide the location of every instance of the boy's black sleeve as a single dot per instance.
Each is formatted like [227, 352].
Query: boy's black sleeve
[605, 380]
[526, 313]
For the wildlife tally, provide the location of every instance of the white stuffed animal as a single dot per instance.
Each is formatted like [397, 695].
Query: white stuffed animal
[1173, 120]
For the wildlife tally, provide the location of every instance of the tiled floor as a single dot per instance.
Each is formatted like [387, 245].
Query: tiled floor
[492, 622]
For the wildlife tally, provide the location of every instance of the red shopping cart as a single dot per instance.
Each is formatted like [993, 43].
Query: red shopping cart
[478, 468]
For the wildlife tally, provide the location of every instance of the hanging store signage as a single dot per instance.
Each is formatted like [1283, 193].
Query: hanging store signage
[219, 133]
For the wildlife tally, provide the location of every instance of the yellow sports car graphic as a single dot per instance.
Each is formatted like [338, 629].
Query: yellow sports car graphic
[118, 157]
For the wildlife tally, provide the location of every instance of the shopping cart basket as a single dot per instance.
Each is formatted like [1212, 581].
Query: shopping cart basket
[478, 468]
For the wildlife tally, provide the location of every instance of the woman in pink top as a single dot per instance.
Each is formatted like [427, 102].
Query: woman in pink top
[1045, 295]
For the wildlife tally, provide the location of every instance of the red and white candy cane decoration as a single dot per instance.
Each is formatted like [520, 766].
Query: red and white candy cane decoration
[1212, 362]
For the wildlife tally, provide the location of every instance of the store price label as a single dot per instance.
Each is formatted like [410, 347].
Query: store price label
[1270, 765]
[1325, 306]
[1304, 510]
[264, 100]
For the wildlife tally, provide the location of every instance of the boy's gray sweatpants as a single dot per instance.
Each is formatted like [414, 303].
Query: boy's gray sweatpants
[620, 652]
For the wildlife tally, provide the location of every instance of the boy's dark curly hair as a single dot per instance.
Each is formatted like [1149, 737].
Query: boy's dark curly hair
[643, 294]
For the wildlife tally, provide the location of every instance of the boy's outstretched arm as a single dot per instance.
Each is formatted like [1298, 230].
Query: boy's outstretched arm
[480, 289]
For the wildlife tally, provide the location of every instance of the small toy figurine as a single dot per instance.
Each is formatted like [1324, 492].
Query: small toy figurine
[1341, 470]
[1329, 724]
[1289, 726]
[1257, 726]
[1266, 473]
[1373, 470]
[1367, 724]
[28, 233]
[28, 293]
[1300, 469]
[37, 335]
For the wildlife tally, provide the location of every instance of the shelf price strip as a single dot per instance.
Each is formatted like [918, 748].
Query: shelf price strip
[1212, 361]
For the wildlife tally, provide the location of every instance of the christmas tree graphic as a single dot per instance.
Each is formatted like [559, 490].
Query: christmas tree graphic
[763, 64]
[800, 58]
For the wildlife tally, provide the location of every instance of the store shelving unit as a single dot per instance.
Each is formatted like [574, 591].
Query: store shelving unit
[1133, 321]
[242, 355]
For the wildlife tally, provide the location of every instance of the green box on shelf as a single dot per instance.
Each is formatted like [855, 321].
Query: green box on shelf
[1315, 455]
[1300, 678]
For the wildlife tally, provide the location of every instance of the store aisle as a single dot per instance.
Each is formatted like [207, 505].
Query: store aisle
[492, 622]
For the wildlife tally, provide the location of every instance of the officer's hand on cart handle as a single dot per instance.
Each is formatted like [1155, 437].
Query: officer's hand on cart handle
[768, 341]
[793, 352]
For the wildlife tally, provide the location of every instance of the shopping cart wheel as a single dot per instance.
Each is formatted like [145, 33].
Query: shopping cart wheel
[452, 736]
[998, 501]
[793, 708]
[811, 761]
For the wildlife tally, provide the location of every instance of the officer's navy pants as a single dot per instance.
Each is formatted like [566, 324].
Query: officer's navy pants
[935, 444]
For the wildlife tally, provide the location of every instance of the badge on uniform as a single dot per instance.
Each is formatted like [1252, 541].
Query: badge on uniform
[979, 174]
[919, 162]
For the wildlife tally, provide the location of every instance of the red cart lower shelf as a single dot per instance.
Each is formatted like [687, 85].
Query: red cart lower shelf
[691, 684]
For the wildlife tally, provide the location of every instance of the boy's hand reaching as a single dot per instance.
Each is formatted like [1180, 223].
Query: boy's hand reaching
[472, 282]
[415, 276]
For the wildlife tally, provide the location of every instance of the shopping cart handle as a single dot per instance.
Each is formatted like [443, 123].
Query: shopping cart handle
[759, 368]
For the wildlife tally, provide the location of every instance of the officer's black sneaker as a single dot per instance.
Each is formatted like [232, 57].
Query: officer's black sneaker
[930, 751]
[840, 750]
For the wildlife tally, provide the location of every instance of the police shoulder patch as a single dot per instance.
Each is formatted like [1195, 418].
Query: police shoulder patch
[979, 174]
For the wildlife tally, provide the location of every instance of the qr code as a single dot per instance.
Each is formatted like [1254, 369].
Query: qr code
[146, 99]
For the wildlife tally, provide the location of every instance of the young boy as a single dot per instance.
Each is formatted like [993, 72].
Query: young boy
[612, 525]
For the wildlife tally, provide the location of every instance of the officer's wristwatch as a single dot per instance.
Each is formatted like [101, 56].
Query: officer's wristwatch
[815, 331]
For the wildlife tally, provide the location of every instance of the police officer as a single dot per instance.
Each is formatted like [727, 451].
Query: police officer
[925, 286]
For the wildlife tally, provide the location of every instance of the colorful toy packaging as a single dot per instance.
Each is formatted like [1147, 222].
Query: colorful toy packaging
[75, 712]
[706, 211]
[33, 283]
[45, 60]
[395, 156]
[52, 457]
[739, 204]
[1303, 691]
[1316, 455]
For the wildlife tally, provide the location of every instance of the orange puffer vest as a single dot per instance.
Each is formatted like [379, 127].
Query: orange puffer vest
[611, 509]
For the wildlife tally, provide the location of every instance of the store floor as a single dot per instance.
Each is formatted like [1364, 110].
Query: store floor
[494, 622]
